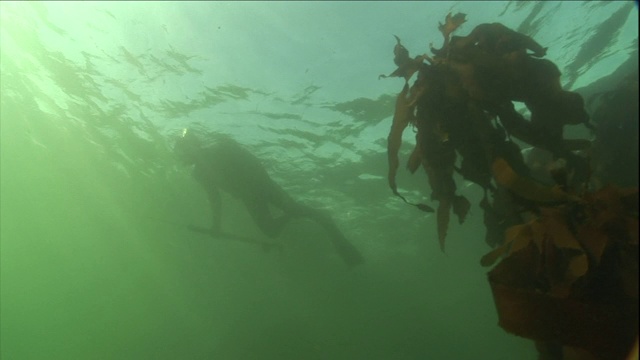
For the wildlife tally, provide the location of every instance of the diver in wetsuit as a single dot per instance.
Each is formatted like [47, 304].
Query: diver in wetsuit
[227, 166]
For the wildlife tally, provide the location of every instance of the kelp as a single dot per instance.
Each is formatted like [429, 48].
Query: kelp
[597, 329]
[461, 207]
[451, 23]
[428, 150]
[565, 241]
[402, 117]
[569, 276]
[404, 114]
[551, 236]
[406, 65]
[444, 207]
[525, 187]
[469, 81]
[586, 227]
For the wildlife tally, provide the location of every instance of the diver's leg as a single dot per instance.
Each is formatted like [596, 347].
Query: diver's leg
[292, 209]
[259, 210]
[344, 248]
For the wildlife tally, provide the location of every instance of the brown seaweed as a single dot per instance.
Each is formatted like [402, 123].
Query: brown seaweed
[461, 207]
[451, 24]
[403, 115]
[557, 247]
[570, 236]
[452, 102]
[401, 119]
[406, 65]
[525, 187]
[444, 208]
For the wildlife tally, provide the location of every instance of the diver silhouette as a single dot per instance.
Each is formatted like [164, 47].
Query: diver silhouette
[227, 166]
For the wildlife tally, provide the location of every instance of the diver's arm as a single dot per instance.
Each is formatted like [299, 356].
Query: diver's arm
[215, 202]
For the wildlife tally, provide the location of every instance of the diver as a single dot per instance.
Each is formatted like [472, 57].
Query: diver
[227, 166]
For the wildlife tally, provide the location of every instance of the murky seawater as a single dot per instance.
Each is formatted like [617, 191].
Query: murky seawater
[96, 259]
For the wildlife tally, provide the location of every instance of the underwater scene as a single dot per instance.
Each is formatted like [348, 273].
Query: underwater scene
[319, 180]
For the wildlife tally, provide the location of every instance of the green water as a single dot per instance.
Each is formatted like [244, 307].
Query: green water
[96, 262]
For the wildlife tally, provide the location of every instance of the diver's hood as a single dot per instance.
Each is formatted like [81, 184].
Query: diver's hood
[188, 145]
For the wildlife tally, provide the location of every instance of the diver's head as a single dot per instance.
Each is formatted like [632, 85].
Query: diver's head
[188, 147]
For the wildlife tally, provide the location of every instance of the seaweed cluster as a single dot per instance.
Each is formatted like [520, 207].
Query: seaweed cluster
[566, 249]
[462, 104]
[569, 276]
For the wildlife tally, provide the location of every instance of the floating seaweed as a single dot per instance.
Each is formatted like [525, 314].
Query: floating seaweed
[406, 65]
[470, 81]
[570, 275]
[562, 249]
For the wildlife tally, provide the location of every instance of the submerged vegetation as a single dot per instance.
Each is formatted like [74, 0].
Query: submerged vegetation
[568, 249]
[97, 256]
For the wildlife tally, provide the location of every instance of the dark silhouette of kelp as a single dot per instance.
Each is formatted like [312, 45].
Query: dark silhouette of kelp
[576, 246]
